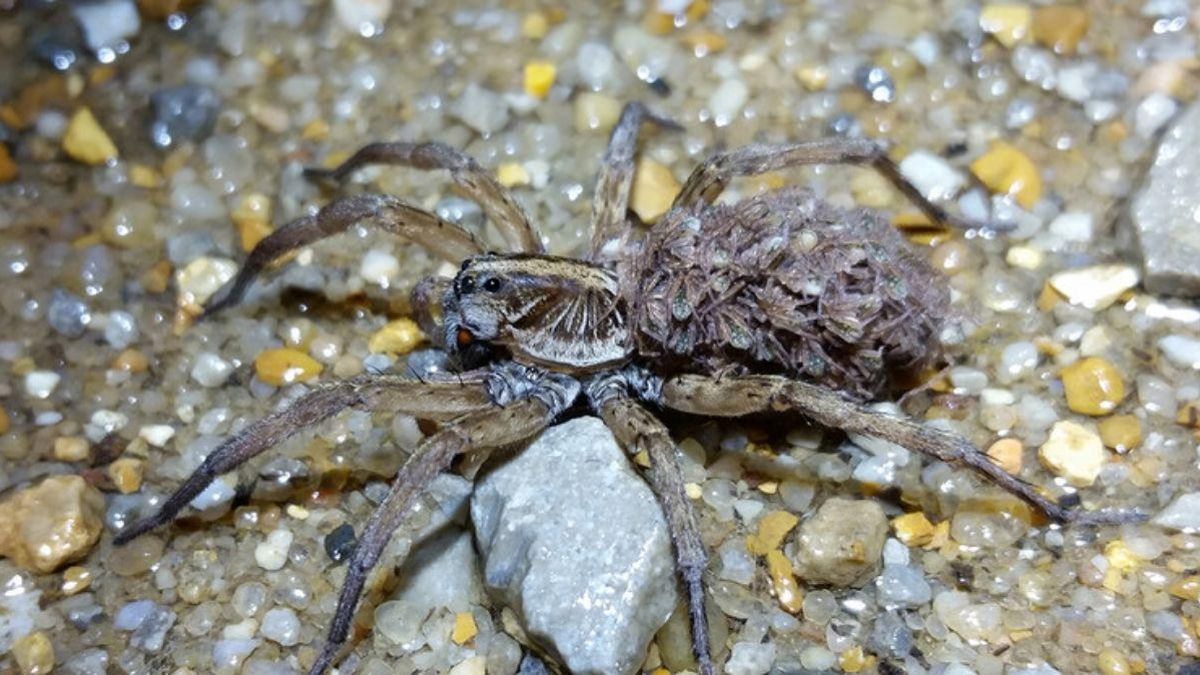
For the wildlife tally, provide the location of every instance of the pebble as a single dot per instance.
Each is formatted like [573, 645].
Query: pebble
[654, 189]
[8, 167]
[1017, 360]
[210, 370]
[842, 543]
[539, 77]
[875, 82]
[229, 653]
[1008, 23]
[149, 622]
[481, 109]
[1095, 287]
[727, 100]
[51, 524]
[68, 314]
[282, 626]
[512, 174]
[1008, 453]
[34, 653]
[1004, 169]
[41, 383]
[156, 435]
[364, 17]
[596, 112]
[818, 659]
[1093, 386]
[933, 176]
[783, 580]
[379, 267]
[136, 557]
[465, 628]
[974, 622]
[76, 579]
[340, 542]
[913, 529]
[252, 217]
[1121, 432]
[107, 24]
[902, 586]
[279, 367]
[120, 329]
[750, 658]
[126, 474]
[772, 529]
[1181, 350]
[1074, 452]
[1182, 514]
[86, 141]
[271, 553]
[1060, 27]
[201, 278]
[474, 665]
[183, 113]
[1073, 226]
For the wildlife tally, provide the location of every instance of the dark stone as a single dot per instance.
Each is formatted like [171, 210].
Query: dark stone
[340, 543]
[183, 113]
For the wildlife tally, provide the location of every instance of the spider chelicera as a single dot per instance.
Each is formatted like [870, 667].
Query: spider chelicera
[778, 302]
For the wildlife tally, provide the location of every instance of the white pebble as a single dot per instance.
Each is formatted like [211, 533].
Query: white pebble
[201, 278]
[895, 552]
[364, 17]
[211, 370]
[1181, 514]
[227, 654]
[994, 396]
[106, 25]
[969, 380]
[281, 625]
[156, 434]
[1074, 452]
[272, 553]
[1017, 359]
[379, 267]
[41, 383]
[1095, 287]
[475, 665]
[1152, 113]
[218, 492]
[932, 175]
[1182, 350]
[1073, 226]
[750, 658]
[727, 100]
[818, 658]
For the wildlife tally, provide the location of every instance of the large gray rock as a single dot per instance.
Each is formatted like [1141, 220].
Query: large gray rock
[842, 543]
[574, 541]
[1165, 211]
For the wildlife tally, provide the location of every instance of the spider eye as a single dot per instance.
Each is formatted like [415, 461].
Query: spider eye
[492, 284]
[466, 284]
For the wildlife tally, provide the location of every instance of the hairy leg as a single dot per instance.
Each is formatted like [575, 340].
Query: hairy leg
[432, 400]
[709, 179]
[736, 396]
[638, 431]
[611, 199]
[497, 202]
[419, 226]
[489, 429]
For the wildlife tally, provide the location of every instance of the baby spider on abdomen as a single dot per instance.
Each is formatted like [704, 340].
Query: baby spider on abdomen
[779, 302]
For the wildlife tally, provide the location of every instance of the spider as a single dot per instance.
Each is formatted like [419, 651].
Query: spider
[778, 302]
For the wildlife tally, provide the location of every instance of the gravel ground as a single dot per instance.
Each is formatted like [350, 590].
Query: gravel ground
[144, 147]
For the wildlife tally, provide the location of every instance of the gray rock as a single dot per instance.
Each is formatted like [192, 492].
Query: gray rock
[482, 109]
[1163, 211]
[842, 543]
[574, 541]
[68, 314]
[183, 113]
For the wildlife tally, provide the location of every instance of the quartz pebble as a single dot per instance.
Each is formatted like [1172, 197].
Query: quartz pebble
[596, 112]
[364, 17]
[108, 23]
[41, 383]
[51, 524]
[271, 553]
[1183, 513]
[183, 113]
[210, 370]
[842, 543]
[1093, 386]
[932, 175]
[201, 278]
[1095, 287]
[1181, 350]
[34, 653]
[1074, 452]
[483, 110]
[750, 658]
[282, 626]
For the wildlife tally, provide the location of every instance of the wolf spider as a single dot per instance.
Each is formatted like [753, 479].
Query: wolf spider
[779, 302]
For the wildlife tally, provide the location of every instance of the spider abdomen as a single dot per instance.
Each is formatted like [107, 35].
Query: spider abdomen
[785, 283]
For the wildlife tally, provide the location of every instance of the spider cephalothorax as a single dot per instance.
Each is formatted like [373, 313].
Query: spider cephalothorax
[779, 302]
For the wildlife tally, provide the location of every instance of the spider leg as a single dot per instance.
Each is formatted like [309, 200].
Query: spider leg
[611, 200]
[638, 430]
[434, 400]
[709, 179]
[442, 238]
[494, 428]
[736, 396]
[501, 208]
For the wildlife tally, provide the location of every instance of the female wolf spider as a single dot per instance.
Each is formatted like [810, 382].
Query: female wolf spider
[778, 302]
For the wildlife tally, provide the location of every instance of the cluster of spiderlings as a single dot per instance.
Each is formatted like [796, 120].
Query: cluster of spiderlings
[785, 283]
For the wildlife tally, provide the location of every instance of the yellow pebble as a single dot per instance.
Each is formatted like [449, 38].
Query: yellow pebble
[145, 176]
[512, 174]
[396, 338]
[464, 628]
[704, 41]
[70, 448]
[1121, 432]
[913, 529]
[1009, 24]
[86, 141]
[76, 579]
[1060, 27]
[1189, 415]
[1113, 662]
[296, 511]
[34, 653]
[768, 487]
[1008, 453]
[1093, 386]
[660, 671]
[813, 77]
[5, 422]
[642, 459]
[539, 77]
[8, 168]
[772, 528]
[253, 219]
[787, 591]
[1005, 169]
[852, 660]
[1120, 557]
[535, 25]
[1187, 588]
[596, 112]
[278, 367]
[131, 360]
[316, 130]
[126, 474]
[871, 189]
[654, 189]
[693, 490]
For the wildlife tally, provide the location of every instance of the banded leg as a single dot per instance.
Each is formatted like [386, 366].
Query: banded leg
[489, 429]
[709, 179]
[432, 400]
[611, 200]
[638, 430]
[419, 226]
[737, 396]
[497, 202]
